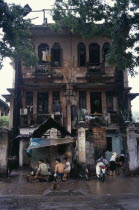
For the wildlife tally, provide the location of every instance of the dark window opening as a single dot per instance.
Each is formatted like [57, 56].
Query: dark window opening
[105, 50]
[81, 55]
[43, 53]
[29, 101]
[82, 100]
[89, 135]
[94, 54]
[99, 152]
[109, 144]
[42, 103]
[96, 102]
[109, 101]
[56, 101]
[56, 96]
[56, 55]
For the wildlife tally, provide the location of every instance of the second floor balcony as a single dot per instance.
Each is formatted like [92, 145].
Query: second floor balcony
[42, 71]
[34, 120]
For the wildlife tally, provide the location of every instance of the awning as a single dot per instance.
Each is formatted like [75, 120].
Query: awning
[39, 142]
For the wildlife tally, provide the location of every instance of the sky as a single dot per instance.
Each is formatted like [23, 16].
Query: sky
[7, 73]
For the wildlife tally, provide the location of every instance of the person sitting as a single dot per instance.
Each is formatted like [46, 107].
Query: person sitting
[48, 166]
[42, 169]
[67, 168]
[59, 169]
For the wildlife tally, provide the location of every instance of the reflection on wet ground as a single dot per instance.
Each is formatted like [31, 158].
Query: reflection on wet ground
[114, 185]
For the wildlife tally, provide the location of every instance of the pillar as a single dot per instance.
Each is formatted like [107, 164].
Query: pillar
[81, 144]
[50, 103]
[69, 117]
[104, 110]
[21, 150]
[34, 102]
[88, 102]
[53, 156]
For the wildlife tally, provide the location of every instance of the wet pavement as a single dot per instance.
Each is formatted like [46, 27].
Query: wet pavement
[116, 192]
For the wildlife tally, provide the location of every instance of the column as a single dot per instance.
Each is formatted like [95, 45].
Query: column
[88, 102]
[50, 103]
[21, 147]
[81, 144]
[34, 102]
[69, 117]
[53, 156]
[104, 111]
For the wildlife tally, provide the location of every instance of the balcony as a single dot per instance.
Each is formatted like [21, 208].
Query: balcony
[94, 71]
[42, 71]
[34, 120]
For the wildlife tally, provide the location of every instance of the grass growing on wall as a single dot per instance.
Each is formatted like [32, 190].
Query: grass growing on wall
[4, 122]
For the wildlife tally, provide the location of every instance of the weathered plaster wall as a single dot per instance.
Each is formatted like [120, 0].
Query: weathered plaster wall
[132, 149]
[3, 151]
[117, 145]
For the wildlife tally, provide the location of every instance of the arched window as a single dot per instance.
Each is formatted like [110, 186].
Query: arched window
[43, 48]
[56, 55]
[105, 50]
[81, 54]
[94, 54]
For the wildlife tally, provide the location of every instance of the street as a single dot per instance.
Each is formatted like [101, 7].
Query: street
[115, 193]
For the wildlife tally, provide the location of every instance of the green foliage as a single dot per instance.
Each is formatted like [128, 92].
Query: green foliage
[16, 37]
[4, 122]
[135, 116]
[117, 21]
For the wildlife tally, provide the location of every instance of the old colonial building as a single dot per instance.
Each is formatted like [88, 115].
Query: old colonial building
[73, 84]
[4, 108]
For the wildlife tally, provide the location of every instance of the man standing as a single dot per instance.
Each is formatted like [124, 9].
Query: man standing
[59, 168]
[42, 169]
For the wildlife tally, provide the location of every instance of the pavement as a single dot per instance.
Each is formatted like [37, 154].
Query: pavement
[117, 192]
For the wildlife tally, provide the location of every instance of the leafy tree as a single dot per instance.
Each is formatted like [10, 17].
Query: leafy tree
[15, 34]
[4, 122]
[91, 18]
[136, 116]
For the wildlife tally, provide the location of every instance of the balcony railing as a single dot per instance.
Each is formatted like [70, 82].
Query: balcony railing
[95, 68]
[43, 68]
[34, 120]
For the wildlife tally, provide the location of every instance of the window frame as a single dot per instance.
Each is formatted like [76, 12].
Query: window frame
[93, 54]
[79, 54]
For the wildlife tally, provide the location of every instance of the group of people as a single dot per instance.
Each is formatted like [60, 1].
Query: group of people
[61, 169]
[116, 161]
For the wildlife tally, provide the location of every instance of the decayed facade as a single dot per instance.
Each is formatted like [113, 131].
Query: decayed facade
[74, 84]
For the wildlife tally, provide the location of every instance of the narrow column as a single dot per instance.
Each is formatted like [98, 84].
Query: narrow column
[34, 102]
[50, 103]
[21, 146]
[88, 102]
[53, 156]
[104, 103]
[69, 117]
[81, 144]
